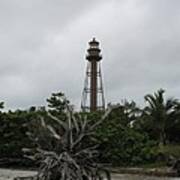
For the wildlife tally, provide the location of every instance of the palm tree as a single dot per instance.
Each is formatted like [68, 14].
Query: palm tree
[160, 113]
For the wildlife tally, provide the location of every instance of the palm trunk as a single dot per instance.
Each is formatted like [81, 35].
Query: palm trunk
[162, 138]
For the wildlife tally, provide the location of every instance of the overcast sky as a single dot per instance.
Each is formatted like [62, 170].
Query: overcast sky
[43, 45]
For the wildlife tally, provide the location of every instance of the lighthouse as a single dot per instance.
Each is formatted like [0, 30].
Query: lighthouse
[93, 92]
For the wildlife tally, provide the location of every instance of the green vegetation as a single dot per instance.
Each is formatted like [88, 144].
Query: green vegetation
[129, 135]
[170, 150]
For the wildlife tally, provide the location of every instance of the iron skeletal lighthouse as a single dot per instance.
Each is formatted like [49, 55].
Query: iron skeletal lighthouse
[93, 92]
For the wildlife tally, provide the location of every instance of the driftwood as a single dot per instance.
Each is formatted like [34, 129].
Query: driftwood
[174, 163]
[63, 151]
[176, 166]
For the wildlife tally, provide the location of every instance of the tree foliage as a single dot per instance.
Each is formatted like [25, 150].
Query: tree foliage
[56, 103]
[128, 136]
[120, 143]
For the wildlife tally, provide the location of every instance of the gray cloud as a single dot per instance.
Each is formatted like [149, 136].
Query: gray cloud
[43, 44]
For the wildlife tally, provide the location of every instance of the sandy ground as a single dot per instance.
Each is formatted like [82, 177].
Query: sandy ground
[7, 174]
[137, 177]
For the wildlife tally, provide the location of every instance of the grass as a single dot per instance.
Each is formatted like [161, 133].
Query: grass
[153, 165]
[170, 150]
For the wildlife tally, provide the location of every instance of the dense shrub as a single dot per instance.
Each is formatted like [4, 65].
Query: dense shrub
[125, 146]
[129, 136]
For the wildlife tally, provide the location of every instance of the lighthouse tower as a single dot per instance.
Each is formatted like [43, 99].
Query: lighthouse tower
[93, 92]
